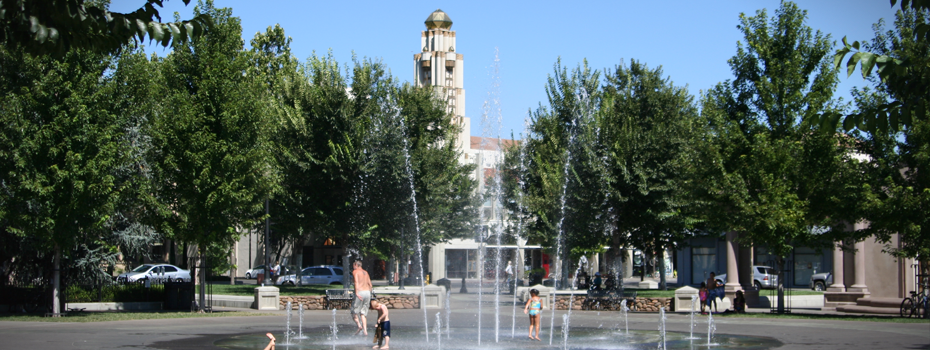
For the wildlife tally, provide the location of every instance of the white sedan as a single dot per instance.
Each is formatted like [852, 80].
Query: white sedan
[157, 273]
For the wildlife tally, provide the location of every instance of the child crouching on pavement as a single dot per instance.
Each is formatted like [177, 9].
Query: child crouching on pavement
[383, 323]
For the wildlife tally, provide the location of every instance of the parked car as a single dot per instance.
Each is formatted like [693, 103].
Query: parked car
[260, 269]
[254, 272]
[156, 273]
[820, 281]
[323, 274]
[762, 277]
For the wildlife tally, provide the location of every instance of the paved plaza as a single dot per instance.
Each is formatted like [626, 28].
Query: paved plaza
[202, 333]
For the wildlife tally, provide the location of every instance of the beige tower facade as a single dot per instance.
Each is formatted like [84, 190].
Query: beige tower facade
[440, 66]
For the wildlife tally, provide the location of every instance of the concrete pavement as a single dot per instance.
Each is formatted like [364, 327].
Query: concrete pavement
[201, 333]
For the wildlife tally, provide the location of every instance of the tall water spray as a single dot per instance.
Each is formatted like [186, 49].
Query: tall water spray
[582, 263]
[448, 311]
[694, 299]
[572, 135]
[491, 127]
[300, 323]
[624, 310]
[287, 325]
[565, 326]
[438, 331]
[520, 185]
[711, 328]
[394, 111]
[334, 328]
[662, 328]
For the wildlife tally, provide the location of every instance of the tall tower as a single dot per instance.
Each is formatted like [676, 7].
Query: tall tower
[439, 66]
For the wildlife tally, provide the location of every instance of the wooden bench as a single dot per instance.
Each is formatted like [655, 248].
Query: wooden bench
[339, 298]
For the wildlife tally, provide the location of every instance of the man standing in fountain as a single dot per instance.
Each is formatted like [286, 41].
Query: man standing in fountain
[362, 300]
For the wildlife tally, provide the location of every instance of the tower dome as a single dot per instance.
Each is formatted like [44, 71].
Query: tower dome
[438, 19]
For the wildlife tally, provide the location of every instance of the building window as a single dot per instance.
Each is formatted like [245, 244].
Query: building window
[461, 263]
[703, 262]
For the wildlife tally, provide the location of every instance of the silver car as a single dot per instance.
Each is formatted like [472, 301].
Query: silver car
[762, 277]
[820, 281]
[155, 273]
[323, 274]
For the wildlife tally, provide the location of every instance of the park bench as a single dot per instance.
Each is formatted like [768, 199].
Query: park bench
[339, 298]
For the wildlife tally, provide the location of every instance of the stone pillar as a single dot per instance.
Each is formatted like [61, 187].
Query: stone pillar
[732, 284]
[859, 281]
[839, 284]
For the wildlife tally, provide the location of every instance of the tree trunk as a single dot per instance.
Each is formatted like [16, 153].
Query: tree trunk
[781, 285]
[56, 284]
[661, 266]
[203, 280]
[234, 262]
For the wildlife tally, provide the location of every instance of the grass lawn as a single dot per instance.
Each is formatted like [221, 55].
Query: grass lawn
[124, 316]
[249, 289]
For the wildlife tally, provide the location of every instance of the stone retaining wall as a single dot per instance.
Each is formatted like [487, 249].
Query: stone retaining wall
[318, 302]
[641, 304]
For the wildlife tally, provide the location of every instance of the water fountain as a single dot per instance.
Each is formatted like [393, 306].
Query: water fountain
[662, 334]
[389, 109]
[438, 331]
[287, 325]
[448, 307]
[300, 323]
[624, 311]
[334, 329]
[565, 326]
[711, 328]
[694, 298]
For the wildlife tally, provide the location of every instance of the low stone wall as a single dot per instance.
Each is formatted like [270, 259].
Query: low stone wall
[653, 304]
[318, 302]
[641, 304]
[400, 301]
[310, 302]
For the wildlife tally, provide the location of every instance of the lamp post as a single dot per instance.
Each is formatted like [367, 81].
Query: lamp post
[267, 256]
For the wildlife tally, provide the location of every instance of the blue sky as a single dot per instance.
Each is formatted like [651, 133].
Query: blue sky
[691, 40]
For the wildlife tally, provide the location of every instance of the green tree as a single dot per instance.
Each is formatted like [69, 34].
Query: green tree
[213, 162]
[648, 128]
[60, 151]
[894, 71]
[772, 178]
[899, 193]
[562, 188]
[55, 27]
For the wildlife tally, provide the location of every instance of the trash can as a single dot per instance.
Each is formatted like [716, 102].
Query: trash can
[260, 278]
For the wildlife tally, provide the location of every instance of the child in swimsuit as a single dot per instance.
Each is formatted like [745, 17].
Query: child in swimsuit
[534, 308]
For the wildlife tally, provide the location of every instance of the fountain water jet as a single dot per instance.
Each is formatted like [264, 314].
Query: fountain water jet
[662, 328]
[710, 328]
[438, 331]
[287, 325]
[334, 329]
[624, 310]
[694, 299]
[394, 111]
[300, 323]
[448, 310]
